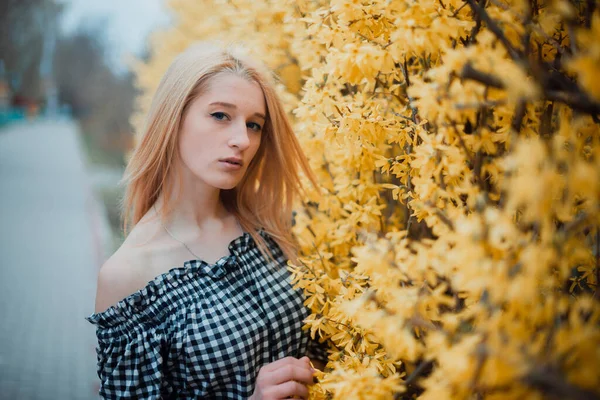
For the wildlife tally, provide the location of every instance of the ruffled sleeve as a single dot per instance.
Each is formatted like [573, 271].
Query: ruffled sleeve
[130, 361]
[133, 349]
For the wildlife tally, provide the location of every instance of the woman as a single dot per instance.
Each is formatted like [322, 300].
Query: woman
[197, 302]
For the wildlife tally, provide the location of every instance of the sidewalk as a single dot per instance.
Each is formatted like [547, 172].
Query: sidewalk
[50, 248]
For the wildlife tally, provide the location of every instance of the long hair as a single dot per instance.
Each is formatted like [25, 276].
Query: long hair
[264, 197]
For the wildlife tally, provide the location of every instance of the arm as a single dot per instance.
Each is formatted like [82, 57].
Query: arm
[130, 367]
[129, 353]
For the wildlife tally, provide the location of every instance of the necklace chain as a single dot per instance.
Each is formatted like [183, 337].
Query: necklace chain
[173, 236]
[180, 241]
[184, 245]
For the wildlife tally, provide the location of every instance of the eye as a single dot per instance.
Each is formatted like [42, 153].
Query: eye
[254, 126]
[220, 116]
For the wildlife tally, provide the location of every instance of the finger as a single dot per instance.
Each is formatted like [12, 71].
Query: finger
[289, 389]
[306, 360]
[291, 373]
[283, 361]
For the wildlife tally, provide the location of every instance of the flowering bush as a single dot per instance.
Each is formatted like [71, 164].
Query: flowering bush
[453, 249]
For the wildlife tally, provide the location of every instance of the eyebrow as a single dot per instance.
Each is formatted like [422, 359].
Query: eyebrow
[233, 106]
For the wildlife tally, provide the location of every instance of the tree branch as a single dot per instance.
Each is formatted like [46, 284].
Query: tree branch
[577, 100]
[492, 26]
[468, 72]
[552, 383]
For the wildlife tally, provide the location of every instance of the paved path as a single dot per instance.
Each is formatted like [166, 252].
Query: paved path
[50, 249]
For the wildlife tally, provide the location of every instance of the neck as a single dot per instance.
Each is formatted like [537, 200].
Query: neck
[195, 209]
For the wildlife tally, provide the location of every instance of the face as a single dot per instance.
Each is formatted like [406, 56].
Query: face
[221, 131]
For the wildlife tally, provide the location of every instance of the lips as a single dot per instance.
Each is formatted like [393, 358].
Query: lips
[233, 160]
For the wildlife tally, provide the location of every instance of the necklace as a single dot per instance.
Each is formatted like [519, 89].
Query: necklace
[173, 236]
[183, 243]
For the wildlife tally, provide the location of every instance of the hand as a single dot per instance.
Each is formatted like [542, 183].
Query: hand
[283, 378]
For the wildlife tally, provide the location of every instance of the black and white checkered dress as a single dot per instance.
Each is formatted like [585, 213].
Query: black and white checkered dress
[203, 331]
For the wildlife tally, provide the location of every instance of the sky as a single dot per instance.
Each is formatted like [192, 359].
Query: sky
[128, 23]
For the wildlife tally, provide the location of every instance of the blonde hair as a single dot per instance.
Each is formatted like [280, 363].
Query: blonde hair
[264, 197]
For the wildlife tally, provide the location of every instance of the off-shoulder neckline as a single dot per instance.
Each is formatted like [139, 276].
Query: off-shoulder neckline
[130, 307]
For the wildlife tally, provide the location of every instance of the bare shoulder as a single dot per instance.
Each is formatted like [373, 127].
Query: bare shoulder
[142, 257]
[118, 278]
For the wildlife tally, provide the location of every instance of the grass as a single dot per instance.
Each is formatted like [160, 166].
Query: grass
[111, 199]
[99, 156]
[108, 192]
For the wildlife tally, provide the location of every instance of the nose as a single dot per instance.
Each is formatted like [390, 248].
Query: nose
[239, 135]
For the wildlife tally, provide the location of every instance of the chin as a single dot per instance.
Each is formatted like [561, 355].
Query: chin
[222, 182]
[227, 185]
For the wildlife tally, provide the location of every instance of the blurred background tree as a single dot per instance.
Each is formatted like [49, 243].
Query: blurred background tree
[36, 56]
[44, 69]
[100, 98]
[23, 26]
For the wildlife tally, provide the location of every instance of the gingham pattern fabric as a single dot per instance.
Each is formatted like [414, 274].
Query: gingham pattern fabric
[203, 331]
